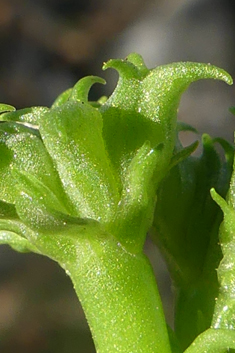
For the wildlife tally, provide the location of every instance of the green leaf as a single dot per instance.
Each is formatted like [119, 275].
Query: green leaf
[16, 242]
[213, 341]
[187, 185]
[22, 149]
[182, 154]
[72, 135]
[6, 108]
[62, 98]
[225, 304]
[78, 184]
[134, 212]
[81, 90]
[185, 228]
[7, 210]
[36, 204]
[26, 115]
[12, 231]
[144, 106]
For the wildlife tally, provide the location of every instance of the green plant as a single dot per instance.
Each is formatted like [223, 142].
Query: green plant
[83, 182]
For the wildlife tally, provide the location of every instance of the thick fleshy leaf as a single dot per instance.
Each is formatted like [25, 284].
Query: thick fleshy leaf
[213, 341]
[6, 108]
[22, 149]
[72, 135]
[26, 115]
[13, 231]
[36, 204]
[9, 134]
[135, 209]
[144, 106]
[79, 92]
[16, 242]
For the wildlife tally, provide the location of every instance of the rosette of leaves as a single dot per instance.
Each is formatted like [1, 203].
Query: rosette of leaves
[78, 183]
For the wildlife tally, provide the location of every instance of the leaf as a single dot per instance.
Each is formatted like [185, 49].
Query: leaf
[13, 232]
[134, 213]
[7, 210]
[17, 242]
[79, 92]
[6, 108]
[187, 185]
[72, 135]
[144, 106]
[225, 304]
[213, 341]
[62, 98]
[185, 228]
[26, 115]
[36, 204]
[101, 161]
[22, 149]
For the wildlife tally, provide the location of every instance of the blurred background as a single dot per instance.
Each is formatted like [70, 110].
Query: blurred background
[47, 45]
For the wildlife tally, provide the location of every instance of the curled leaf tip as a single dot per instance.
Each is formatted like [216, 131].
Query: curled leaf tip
[206, 139]
[81, 89]
[194, 71]
[124, 67]
[138, 61]
[212, 71]
[218, 73]
[218, 199]
[6, 108]
[182, 126]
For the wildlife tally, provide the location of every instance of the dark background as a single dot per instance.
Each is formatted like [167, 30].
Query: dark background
[46, 46]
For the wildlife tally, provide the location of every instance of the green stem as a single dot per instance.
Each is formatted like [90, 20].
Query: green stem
[120, 298]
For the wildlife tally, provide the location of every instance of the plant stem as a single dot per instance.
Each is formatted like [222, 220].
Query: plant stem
[120, 298]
